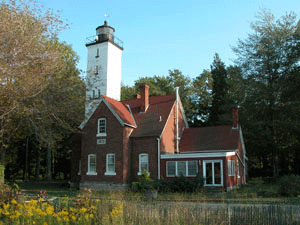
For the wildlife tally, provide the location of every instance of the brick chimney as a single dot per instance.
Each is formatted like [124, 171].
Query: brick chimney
[144, 97]
[235, 117]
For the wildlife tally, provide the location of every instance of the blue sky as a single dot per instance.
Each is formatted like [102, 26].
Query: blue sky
[160, 35]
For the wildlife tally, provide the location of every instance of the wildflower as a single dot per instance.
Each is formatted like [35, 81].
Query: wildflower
[6, 206]
[14, 202]
[83, 210]
[86, 216]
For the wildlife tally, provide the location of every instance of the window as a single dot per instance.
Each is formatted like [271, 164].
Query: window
[91, 165]
[101, 127]
[192, 168]
[99, 93]
[171, 169]
[97, 55]
[96, 70]
[185, 168]
[231, 169]
[110, 164]
[143, 163]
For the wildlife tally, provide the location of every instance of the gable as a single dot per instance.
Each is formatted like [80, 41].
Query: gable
[120, 111]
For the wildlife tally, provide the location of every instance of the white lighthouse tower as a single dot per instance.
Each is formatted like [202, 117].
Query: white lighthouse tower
[103, 66]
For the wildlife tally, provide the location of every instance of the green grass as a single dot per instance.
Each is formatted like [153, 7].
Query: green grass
[256, 191]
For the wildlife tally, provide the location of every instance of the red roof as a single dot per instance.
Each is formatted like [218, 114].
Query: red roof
[209, 138]
[122, 110]
[151, 122]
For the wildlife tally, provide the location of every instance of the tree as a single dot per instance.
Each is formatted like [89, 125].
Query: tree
[269, 59]
[41, 91]
[218, 109]
[202, 98]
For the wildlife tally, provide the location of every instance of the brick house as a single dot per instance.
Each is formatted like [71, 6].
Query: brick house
[121, 138]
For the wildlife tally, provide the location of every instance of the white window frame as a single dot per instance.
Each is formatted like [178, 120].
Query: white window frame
[186, 168]
[140, 162]
[231, 168]
[112, 172]
[90, 170]
[213, 172]
[101, 134]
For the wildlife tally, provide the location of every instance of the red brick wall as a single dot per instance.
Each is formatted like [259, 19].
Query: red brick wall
[144, 145]
[114, 144]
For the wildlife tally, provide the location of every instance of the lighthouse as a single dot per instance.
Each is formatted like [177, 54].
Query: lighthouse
[103, 66]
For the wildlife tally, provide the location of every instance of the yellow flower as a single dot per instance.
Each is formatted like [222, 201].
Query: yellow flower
[83, 210]
[86, 216]
[93, 207]
[74, 218]
[91, 215]
[6, 206]
[13, 202]
[33, 222]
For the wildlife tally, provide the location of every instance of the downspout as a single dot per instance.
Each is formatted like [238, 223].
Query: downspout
[158, 158]
[177, 128]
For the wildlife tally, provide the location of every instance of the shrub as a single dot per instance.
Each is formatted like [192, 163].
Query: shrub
[144, 184]
[181, 184]
[289, 185]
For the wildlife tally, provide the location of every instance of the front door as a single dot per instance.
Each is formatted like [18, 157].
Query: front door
[213, 172]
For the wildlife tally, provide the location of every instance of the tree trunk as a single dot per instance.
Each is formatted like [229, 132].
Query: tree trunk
[38, 164]
[49, 162]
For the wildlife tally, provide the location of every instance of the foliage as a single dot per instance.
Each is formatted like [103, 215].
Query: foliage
[181, 184]
[145, 183]
[269, 59]
[41, 92]
[289, 185]
[2, 174]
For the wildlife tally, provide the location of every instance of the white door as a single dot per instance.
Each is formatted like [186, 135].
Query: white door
[213, 172]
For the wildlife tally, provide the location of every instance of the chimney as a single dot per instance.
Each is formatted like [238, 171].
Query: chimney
[144, 97]
[235, 117]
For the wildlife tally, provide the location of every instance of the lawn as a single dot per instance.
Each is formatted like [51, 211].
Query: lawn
[97, 207]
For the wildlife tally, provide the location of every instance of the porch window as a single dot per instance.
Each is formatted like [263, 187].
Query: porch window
[213, 172]
[101, 127]
[110, 164]
[91, 164]
[192, 168]
[231, 168]
[143, 163]
[171, 168]
[185, 168]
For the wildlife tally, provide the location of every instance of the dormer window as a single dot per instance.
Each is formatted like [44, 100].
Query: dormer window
[101, 127]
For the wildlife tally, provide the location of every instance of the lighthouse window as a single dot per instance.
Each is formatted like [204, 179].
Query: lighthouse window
[96, 70]
[97, 55]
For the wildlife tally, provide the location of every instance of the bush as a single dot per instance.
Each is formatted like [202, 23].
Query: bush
[144, 184]
[289, 186]
[181, 184]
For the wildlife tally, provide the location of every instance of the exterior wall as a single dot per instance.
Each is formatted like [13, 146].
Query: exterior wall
[114, 65]
[144, 145]
[168, 138]
[108, 79]
[126, 154]
[114, 144]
